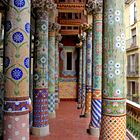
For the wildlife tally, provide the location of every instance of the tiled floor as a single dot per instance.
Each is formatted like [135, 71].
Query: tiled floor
[67, 125]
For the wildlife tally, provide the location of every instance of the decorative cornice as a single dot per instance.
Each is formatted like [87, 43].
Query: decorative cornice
[70, 22]
[94, 6]
[70, 6]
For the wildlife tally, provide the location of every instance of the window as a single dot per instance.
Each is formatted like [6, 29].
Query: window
[134, 37]
[133, 91]
[133, 64]
[61, 0]
[69, 15]
[69, 27]
[75, 28]
[69, 60]
[133, 13]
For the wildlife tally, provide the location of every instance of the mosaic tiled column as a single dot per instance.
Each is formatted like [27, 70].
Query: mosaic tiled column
[16, 70]
[83, 68]
[96, 11]
[80, 79]
[40, 95]
[51, 59]
[113, 124]
[40, 89]
[88, 73]
[58, 38]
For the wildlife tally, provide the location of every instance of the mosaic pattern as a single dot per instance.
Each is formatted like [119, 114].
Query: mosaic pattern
[88, 72]
[16, 50]
[80, 79]
[95, 113]
[68, 90]
[84, 68]
[51, 68]
[97, 65]
[51, 103]
[16, 127]
[113, 128]
[114, 90]
[40, 89]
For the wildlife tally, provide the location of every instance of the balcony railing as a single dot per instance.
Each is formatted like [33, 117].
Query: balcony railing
[131, 44]
[133, 120]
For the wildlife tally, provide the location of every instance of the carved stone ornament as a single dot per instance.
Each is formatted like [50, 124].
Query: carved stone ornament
[60, 45]
[44, 4]
[86, 27]
[57, 26]
[58, 37]
[53, 26]
[94, 6]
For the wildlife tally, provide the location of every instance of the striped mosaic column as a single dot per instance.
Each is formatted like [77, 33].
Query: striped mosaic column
[88, 73]
[80, 79]
[97, 67]
[51, 59]
[58, 38]
[40, 89]
[16, 70]
[113, 125]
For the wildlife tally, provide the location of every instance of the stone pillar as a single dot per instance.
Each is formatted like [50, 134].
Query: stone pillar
[40, 89]
[88, 71]
[51, 72]
[58, 38]
[96, 10]
[80, 78]
[113, 124]
[16, 70]
[0, 20]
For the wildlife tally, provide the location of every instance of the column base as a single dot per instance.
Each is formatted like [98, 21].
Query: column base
[94, 131]
[52, 115]
[87, 115]
[43, 131]
[57, 106]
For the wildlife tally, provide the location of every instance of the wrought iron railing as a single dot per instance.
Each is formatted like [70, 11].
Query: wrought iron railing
[133, 120]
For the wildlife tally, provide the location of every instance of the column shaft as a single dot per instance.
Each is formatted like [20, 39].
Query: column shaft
[40, 89]
[51, 59]
[80, 79]
[113, 125]
[16, 70]
[88, 74]
[97, 75]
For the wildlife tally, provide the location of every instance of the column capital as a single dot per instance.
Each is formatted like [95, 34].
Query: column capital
[53, 26]
[60, 45]
[58, 37]
[57, 26]
[86, 27]
[45, 5]
[94, 6]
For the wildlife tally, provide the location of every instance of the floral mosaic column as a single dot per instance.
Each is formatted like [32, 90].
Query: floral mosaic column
[40, 95]
[51, 59]
[113, 125]
[96, 10]
[16, 70]
[88, 72]
[58, 38]
[40, 89]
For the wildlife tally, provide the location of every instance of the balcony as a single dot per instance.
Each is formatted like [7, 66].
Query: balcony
[133, 120]
[70, 22]
[132, 45]
[69, 30]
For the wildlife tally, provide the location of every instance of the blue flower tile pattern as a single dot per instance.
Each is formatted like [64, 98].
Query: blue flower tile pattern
[19, 3]
[27, 27]
[27, 62]
[8, 25]
[7, 62]
[18, 37]
[16, 73]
